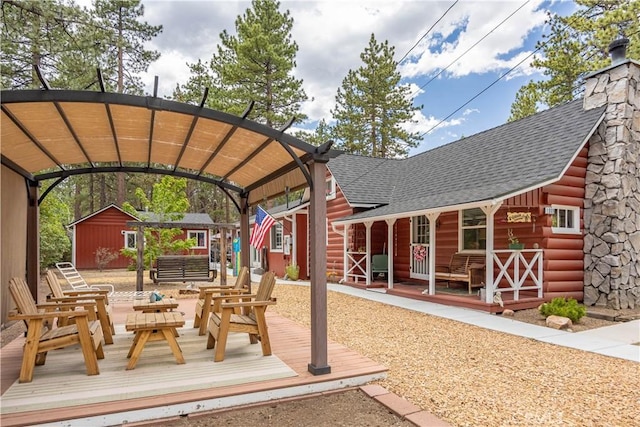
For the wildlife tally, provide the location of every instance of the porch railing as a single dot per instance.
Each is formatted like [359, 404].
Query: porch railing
[357, 262]
[521, 270]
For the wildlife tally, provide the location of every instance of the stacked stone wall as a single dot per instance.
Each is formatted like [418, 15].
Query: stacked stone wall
[612, 198]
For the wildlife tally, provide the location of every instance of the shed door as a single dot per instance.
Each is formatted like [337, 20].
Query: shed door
[419, 248]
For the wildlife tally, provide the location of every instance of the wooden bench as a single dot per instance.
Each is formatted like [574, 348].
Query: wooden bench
[182, 268]
[469, 268]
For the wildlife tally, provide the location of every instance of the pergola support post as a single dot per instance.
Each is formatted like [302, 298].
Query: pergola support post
[318, 234]
[33, 240]
[245, 258]
[140, 258]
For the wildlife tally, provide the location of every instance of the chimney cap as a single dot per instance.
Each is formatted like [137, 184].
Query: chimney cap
[618, 50]
[623, 42]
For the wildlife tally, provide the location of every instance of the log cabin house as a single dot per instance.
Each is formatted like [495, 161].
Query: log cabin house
[563, 183]
[107, 228]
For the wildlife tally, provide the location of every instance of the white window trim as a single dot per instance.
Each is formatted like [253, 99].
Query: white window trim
[271, 237]
[330, 188]
[461, 233]
[189, 232]
[575, 212]
[125, 234]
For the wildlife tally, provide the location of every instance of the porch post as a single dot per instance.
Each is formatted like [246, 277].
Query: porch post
[294, 240]
[367, 226]
[490, 211]
[33, 240]
[391, 250]
[318, 234]
[345, 248]
[244, 235]
[432, 217]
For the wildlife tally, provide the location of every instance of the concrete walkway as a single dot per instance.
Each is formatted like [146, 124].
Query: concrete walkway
[614, 341]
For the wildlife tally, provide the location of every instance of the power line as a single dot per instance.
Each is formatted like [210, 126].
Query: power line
[466, 51]
[498, 79]
[428, 31]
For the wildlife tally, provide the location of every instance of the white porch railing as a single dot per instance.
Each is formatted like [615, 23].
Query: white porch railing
[357, 262]
[521, 269]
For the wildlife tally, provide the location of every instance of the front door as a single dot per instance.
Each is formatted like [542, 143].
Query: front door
[419, 248]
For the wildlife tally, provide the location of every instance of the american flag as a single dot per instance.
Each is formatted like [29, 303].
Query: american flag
[263, 223]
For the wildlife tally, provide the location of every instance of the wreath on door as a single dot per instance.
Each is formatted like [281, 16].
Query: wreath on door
[419, 253]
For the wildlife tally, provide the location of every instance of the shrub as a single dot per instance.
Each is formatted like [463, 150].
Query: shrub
[104, 256]
[563, 307]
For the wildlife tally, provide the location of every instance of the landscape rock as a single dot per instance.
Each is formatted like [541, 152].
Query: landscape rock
[559, 322]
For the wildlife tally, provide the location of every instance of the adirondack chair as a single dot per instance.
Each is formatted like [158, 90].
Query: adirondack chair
[103, 309]
[40, 339]
[208, 301]
[252, 322]
[76, 281]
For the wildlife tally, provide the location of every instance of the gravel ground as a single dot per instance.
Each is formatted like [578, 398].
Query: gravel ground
[466, 375]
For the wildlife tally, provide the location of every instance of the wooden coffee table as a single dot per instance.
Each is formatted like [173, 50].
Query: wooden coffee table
[144, 305]
[153, 327]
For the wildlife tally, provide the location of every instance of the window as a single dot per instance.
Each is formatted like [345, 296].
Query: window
[473, 229]
[331, 188]
[420, 229]
[565, 219]
[129, 239]
[276, 237]
[200, 236]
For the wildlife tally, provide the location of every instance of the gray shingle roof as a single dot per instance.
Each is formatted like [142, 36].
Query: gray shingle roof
[488, 165]
[189, 218]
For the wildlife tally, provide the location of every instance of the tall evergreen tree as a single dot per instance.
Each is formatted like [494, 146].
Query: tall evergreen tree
[373, 108]
[39, 33]
[120, 35]
[577, 45]
[256, 64]
[322, 133]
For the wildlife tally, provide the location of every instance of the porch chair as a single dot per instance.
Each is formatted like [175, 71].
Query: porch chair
[208, 301]
[76, 281]
[40, 339]
[103, 309]
[379, 265]
[252, 322]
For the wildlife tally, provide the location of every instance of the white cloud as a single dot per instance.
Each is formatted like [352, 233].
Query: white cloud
[469, 111]
[331, 35]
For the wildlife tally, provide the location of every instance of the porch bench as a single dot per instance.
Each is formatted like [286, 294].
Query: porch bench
[463, 267]
[182, 268]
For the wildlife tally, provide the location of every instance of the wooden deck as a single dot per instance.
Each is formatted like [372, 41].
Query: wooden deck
[290, 343]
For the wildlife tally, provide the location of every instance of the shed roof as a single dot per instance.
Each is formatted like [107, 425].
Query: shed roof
[491, 165]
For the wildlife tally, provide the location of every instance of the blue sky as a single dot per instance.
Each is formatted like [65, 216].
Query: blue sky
[331, 34]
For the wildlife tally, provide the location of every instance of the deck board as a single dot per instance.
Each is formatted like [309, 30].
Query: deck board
[291, 344]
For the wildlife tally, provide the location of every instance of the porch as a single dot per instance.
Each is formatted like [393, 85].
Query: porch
[159, 388]
[515, 275]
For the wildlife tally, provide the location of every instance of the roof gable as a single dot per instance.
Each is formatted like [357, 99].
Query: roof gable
[99, 211]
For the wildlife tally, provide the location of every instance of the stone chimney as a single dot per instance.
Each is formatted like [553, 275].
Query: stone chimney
[612, 197]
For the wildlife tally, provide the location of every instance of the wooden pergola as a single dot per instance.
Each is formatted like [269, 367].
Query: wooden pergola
[53, 134]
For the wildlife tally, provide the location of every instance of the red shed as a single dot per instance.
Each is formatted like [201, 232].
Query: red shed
[107, 228]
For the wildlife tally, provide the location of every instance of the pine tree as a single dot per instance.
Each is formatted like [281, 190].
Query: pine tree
[38, 33]
[322, 133]
[577, 45]
[120, 36]
[256, 64]
[373, 108]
